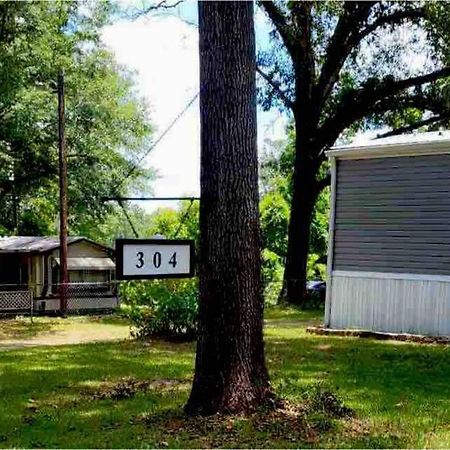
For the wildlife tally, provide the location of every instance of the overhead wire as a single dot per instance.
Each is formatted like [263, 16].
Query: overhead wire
[136, 164]
[160, 138]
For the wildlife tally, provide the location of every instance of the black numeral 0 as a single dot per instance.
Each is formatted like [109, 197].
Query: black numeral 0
[157, 259]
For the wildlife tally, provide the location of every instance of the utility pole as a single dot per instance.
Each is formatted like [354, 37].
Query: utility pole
[63, 278]
[15, 200]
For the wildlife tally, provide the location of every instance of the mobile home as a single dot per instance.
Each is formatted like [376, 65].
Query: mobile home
[389, 247]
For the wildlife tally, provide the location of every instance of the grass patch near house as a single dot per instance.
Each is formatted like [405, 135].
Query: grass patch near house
[23, 327]
[130, 394]
[42, 330]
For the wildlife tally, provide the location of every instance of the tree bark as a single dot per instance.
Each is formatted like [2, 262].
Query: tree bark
[304, 196]
[230, 371]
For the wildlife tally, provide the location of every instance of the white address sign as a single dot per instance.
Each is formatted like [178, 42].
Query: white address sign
[154, 258]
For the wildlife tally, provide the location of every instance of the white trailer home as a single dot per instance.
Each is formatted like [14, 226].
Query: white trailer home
[29, 269]
[389, 247]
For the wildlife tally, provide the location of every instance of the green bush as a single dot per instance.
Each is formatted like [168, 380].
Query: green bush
[272, 276]
[166, 308]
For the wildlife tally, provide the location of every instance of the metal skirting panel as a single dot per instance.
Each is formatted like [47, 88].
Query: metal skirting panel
[390, 303]
[74, 304]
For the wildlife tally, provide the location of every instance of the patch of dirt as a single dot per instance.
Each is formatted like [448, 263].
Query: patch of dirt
[356, 428]
[383, 336]
[323, 347]
[299, 424]
[128, 387]
[68, 333]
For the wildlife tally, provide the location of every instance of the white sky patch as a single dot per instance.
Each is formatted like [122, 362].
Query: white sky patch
[164, 54]
[163, 51]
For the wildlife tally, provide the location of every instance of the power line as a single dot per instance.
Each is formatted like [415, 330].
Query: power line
[141, 199]
[120, 200]
[130, 222]
[160, 138]
[184, 217]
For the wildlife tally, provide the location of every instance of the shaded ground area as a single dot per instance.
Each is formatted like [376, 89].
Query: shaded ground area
[339, 392]
[22, 332]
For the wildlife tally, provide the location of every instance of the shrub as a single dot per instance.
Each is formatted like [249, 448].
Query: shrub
[321, 399]
[166, 308]
[272, 275]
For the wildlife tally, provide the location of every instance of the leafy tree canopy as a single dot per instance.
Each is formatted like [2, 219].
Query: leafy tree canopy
[360, 54]
[342, 67]
[107, 124]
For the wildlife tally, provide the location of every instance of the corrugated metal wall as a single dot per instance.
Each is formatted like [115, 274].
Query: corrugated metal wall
[393, 215]
[390, 304]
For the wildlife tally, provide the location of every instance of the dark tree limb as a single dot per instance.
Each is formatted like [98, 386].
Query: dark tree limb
[301, 14]
[389, 87]
[162, 5]
[348, 36]
[414, 126]
[418, 101]
[345, 38]
[396, 17]
[381, 97]
[280, 21]
[276, 86]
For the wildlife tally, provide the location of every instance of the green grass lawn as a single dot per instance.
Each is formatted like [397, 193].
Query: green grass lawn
[42, 330]
[76, 396]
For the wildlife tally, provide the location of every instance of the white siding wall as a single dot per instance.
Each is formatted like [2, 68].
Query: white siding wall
[398, 303]
[52, 304]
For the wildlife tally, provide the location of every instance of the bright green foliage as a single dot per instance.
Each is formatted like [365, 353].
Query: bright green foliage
[106, 124]
[276, 178]
[274, 221]
[181, 223]
[167, 308]
[272, 275]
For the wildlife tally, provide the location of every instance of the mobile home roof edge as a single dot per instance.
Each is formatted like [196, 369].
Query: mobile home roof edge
[385, 150]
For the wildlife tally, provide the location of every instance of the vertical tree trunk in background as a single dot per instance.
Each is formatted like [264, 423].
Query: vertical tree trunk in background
[230, 372]
[304, 196]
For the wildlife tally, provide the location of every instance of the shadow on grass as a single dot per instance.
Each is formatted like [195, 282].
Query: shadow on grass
[400, 393]
[42, 391]
[23, 327]
[402, 388]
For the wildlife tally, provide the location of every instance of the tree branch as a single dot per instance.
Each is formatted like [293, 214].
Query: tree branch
[377, 98]
[394, 18]
[304, 63]
[276, 86]
[414, 126]
[345, 38]
[163, 4]
[280, 22]
[389, 86]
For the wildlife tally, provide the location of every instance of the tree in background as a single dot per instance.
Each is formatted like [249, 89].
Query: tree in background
[340, 67]
[107, 125]
[179, 223]
[276, 197]
[230, 373]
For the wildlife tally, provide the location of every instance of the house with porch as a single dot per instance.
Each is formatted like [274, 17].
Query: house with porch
[30, 265]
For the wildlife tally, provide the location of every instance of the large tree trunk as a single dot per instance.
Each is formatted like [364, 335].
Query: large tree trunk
[304, 197]
[230, 372]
